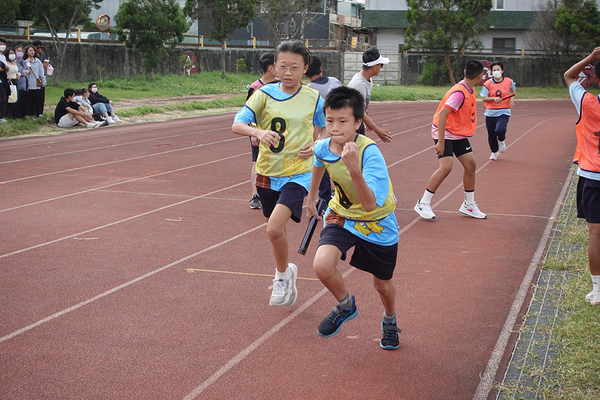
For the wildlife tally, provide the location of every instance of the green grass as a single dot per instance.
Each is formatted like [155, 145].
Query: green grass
[210, 83]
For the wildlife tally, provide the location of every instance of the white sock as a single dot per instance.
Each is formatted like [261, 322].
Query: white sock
[427, 196]
[282, 275]
[469, 197]
[596, 283]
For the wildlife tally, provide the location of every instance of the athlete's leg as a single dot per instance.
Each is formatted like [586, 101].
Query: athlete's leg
[277, 233]
[468, 162]
[325, 266]
[387, 293]
[444, 169]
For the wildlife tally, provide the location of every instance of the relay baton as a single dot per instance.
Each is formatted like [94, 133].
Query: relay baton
[508, 96]
[310, 229]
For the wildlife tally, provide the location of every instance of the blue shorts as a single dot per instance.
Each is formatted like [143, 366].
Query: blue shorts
[588, 200]
[375, 259]
[456, 147]
[292, 196]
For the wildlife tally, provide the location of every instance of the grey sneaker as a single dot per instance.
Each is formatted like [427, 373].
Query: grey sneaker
[255, 202]
[284, 290]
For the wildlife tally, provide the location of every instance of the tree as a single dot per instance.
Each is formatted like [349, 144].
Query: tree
[563, 33]
[448, 26]
[289, 18]
[59, 15]
[146, 25]
[9, 11]
[226, 16]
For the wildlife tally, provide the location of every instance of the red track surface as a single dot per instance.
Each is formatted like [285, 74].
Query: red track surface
[131, 266]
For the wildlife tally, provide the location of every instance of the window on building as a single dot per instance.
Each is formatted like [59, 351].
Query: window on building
[504, 45]
[499, 5]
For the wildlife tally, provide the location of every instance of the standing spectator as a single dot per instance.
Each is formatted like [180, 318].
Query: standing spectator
[12, 73]
[361, 81]
[3, 81]
[102, 105]
[41, 55]
[35, 104]
[22, 86]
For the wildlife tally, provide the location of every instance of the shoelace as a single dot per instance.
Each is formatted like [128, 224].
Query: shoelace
[278, 286]
[389, 331]
[334, 314]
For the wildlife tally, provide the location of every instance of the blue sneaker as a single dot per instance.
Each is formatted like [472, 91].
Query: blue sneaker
[333, 322]
[389, 340]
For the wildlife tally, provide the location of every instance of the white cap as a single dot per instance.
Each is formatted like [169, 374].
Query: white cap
[380, 60]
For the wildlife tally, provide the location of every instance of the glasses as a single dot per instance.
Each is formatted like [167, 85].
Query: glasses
[294, 69]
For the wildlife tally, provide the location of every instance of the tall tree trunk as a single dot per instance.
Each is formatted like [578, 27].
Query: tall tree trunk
[448, 63]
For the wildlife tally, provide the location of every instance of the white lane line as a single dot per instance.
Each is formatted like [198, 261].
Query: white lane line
[487, 380]
[123, 182]
[118, 161]
[126, 284]
[120, 221]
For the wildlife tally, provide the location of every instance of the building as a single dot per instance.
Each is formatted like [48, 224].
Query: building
[510, 19]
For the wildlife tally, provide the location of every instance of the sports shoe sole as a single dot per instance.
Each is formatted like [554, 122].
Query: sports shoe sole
[349, 317]
[471, 215]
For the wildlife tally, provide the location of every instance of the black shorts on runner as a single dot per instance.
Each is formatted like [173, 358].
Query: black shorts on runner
[457, 147]
[588, 200]
[292, 196]
[375, 259]
[254, 151]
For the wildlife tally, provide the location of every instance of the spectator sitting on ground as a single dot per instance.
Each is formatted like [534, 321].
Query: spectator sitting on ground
[85, 106]
[68, 114]
[102, 105]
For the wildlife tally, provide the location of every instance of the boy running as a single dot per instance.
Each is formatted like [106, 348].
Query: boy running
[587, 156]
[289, 118]
[456, 118]
[360, 215]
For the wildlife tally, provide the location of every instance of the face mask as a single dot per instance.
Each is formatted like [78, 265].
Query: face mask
[12, 56]
[2, 47]
[78, 98]
[497, 74]
[94, 90]
[19, 54]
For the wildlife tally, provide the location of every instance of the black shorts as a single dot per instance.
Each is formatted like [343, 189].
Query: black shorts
[588, 200]
[292, 196]
[254, 151]
[457, 147]
[375, 259]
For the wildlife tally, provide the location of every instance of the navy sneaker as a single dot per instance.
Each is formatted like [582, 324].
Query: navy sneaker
[333, 322]
[389, 340]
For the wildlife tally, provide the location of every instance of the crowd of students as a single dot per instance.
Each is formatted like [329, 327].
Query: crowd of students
[23, 72]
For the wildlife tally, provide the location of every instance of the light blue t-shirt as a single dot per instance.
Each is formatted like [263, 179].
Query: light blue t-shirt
[376, 176]
[246, 115]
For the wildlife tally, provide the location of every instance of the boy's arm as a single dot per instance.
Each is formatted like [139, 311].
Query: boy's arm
[440, 146]
[313, 192]
[270, 138]
[573, 73]
[383, 134]
[74, 112]
[364, 192]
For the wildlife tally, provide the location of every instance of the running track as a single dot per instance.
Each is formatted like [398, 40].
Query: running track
[131, 267]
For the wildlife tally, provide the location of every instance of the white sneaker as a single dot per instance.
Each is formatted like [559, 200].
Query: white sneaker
[99, 123]
[424, 210]
[589, 296]
[116, 119]
[494, 156]
[91, 125]
[109, 120]
[501, 147]
[471, 210]
[594, 298]
[284, 290]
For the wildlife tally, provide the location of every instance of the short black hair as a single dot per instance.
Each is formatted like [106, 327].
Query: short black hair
[69, 92]
[473, 68]
[3, 40]
[266, 60]
[37, 43]
[371, 54]
[314, 68]
[342, 97]
[79, 92]
[498, 63]
[92, 84]
[296, 47]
